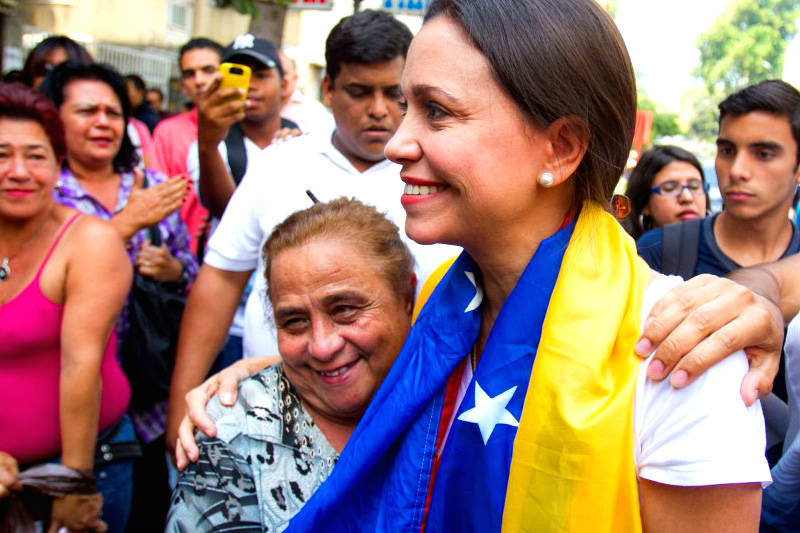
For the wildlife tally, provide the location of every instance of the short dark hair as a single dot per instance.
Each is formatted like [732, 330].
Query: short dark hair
[771, 96]
[137, 82]
[55, 83]
[560, 59]
[156, 90]
[34, 63]
[19, 101]
[200, 42]
[365, 37]
[641, 181]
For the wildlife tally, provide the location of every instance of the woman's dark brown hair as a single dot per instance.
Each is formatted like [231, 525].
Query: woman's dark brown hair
[18, 101]
[641, 181]
[560, 59]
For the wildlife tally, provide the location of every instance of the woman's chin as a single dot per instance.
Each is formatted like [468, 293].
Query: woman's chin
[423, 232]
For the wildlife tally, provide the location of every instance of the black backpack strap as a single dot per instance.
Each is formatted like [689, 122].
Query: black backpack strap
[679, 248]
[237, 154]
[152, 231]
[286, 123]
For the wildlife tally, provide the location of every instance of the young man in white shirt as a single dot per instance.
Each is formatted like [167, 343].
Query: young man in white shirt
[365, 55]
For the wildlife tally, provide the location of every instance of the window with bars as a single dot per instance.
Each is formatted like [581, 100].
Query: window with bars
[179, 15]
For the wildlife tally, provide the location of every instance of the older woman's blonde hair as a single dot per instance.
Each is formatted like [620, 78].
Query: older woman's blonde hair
[355, 222]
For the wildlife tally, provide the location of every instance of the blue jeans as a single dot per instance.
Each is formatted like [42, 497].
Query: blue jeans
[115, 480]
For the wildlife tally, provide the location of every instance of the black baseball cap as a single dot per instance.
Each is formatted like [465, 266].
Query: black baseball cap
[249, 45]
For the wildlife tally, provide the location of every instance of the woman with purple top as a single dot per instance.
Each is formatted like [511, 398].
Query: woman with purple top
[99, 177]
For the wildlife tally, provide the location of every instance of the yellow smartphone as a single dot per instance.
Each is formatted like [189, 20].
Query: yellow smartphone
[237, 76]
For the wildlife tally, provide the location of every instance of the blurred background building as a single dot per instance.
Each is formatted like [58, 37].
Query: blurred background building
[143, 36]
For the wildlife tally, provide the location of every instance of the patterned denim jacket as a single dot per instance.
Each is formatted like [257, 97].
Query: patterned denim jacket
[268, 458]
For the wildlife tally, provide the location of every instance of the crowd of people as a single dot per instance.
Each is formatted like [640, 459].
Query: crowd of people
[412, 308]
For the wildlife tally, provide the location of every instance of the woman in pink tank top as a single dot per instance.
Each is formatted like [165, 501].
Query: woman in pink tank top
[63, 281]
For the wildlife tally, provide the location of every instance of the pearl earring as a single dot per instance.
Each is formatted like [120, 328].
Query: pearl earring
[546, 179]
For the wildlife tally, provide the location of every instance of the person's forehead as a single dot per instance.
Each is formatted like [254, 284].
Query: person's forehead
[386, 73]
[90, 91]
[756, 127]
[199, 57]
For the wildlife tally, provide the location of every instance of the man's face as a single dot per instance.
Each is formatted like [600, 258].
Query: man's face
[365, 101]
[756, 165]
[198, 67]
[154, 97]
[264, 92]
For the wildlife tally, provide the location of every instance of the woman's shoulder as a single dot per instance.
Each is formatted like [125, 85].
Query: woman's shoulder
[702, 434]
[257, 409]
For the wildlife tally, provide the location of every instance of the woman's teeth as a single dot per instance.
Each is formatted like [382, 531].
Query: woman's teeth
[338, 372]
[422, 189]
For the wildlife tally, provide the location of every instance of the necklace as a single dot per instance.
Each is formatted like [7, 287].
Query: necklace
[5, 264]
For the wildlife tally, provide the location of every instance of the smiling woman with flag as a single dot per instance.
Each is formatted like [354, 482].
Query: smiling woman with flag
[517, 403]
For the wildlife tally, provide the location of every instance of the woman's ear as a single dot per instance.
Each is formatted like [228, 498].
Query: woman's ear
[646, 210]
[569, 140]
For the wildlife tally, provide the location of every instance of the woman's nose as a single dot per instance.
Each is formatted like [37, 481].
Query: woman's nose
[685, 195]
[326, 341]
[403, 148]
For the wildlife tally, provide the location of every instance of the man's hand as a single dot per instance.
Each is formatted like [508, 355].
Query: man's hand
[156, 262]
[704, 320]
[8, 474]
[217, 111]
[149, 206]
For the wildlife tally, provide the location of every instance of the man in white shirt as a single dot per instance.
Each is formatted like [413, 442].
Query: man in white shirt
[365, 55]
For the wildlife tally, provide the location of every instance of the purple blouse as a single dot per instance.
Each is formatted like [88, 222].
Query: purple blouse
[68, 192]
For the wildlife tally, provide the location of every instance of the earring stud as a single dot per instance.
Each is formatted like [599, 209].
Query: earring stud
[546, 179]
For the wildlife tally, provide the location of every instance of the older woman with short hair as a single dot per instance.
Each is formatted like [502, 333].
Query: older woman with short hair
[341, 284]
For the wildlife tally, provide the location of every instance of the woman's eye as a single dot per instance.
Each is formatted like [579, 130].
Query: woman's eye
[403, 105]
[293, 324]
[669, 186]
[434, 112]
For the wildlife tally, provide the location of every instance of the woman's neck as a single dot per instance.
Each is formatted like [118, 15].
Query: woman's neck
[90, 171]
[15, 232]
[503, 256]
[337, 432]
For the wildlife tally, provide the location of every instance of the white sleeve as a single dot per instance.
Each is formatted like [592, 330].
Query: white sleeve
[702, 434]
[236, 242]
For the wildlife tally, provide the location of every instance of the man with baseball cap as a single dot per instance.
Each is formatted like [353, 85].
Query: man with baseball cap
[232, 131]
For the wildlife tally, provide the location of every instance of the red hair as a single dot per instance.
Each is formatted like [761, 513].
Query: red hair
[18, 101]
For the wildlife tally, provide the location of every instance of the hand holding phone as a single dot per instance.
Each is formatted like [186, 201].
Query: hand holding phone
[235, 76]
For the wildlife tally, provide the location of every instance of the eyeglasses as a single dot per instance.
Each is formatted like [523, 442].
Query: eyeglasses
[675, 188]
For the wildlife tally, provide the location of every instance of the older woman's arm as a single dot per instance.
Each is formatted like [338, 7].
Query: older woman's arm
[97, 280]
[721, 508]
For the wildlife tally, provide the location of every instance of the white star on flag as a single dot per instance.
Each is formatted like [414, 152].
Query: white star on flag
[478, 298]
[488, 412]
